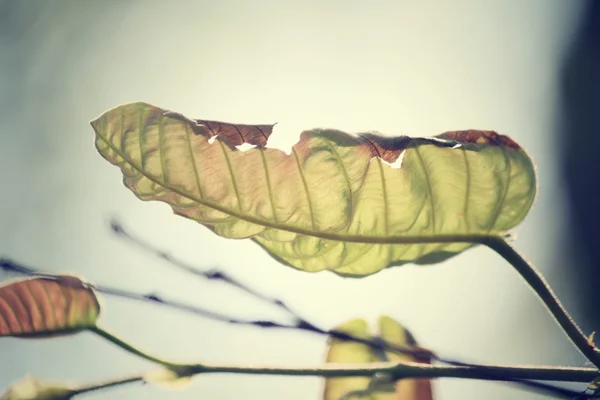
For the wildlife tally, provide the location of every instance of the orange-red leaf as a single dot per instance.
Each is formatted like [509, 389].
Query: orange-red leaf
[39, 307]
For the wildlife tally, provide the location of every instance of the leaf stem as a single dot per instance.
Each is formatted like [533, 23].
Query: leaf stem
[92, 387]
[396, 370]
[539, 284]
[404, 370]
[134, 350]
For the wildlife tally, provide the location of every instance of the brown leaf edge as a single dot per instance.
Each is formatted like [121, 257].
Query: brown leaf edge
[385, 147]
[231, 134]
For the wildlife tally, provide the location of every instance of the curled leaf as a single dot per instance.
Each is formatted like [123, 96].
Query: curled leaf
[350, 204]
[41, 307]
[380, 387]
[30, 388]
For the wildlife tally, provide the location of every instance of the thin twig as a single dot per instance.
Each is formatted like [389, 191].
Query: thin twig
[537, 282]
[108, 383]
[111, 337]
[486, 373]
[417, 353]
[411, 370]
[520, 375]
[301, 323]
[395, 370]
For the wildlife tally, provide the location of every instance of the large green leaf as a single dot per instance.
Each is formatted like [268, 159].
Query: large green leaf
[42, 307]
[351, 204]
[377, 388]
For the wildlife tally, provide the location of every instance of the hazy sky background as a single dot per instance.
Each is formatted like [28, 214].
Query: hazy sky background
[399, 67]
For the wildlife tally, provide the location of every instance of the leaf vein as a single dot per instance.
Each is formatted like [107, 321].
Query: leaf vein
[467, 189]
[429, 189]
[20, 301]
[140, 140]
[324, 235]
[384, 197]
[53, 308]
[268, 179]
[193, 159]
[15, 318]
[346, 177]
[233, 181]
[501, 202]
[34, 305]
[305, 185]
[161, 140]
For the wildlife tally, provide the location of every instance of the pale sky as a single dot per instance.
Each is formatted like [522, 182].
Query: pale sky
[398, 67]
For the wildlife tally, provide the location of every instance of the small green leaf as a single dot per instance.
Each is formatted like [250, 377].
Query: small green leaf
[350, 204]
[42, 307]
[348, 352]
[380, 387]
[406, 389]
[29, 388]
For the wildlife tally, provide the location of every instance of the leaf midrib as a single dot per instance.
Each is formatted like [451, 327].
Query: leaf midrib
[412, 239]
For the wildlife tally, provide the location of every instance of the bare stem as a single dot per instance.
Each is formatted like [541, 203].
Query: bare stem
[395, 370]
[109, 383]
[495, 242]
[134, 350]
[537, 282]
[404, 370]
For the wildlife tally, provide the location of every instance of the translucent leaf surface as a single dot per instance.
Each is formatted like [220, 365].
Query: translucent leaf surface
[40, 307]
[377, 388]
[353, 204]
